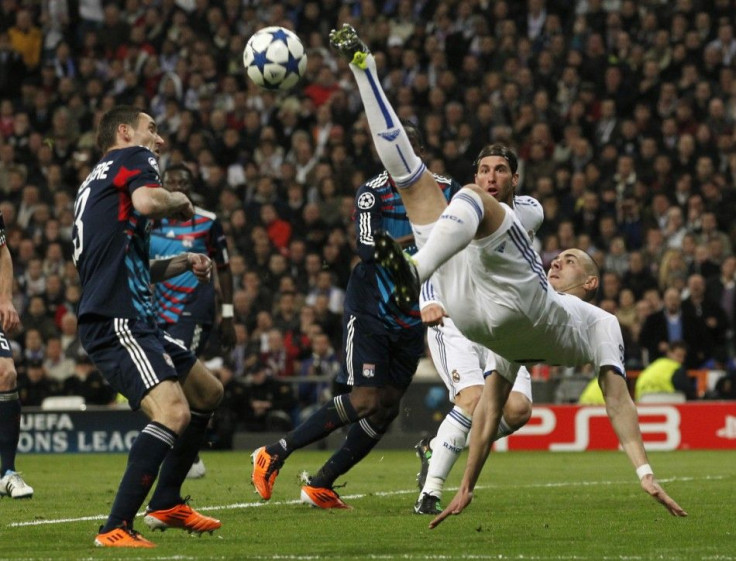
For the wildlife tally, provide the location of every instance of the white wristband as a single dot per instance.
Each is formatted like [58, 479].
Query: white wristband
[644, 470]
[227, 311]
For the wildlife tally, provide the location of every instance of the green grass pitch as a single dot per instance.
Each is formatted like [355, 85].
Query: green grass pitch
[528, 506]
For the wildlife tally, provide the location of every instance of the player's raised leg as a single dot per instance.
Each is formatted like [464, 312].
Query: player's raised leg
[472, 212]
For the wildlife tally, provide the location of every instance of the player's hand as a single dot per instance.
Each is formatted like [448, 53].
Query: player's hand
[9, 318]
[652, 486]
[227, 334]
[432, 315]
[461, 499]
[201, 266]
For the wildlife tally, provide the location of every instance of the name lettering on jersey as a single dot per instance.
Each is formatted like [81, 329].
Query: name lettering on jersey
[366, 201]
[100, 172]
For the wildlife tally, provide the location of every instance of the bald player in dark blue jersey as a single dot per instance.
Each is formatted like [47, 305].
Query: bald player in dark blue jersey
[11, 482]
[113, 214]
[383, 344]
[185, 307]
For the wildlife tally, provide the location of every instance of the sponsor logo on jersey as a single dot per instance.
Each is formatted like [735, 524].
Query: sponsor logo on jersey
[369, 370]
[154, 164]
[366, 201]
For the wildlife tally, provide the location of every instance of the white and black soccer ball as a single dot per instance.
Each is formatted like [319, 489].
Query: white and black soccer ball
[274, 58]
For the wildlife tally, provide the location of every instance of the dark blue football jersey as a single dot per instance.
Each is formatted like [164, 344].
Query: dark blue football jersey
[378, 205]
[183, 295]
[111, 238]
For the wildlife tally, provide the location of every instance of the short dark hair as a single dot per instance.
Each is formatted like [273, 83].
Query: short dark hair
[120, 115]
[498, 150]
[415, 136]
[180, 167]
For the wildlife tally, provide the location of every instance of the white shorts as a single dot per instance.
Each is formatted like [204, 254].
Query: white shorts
[462, 363]
[498, 296]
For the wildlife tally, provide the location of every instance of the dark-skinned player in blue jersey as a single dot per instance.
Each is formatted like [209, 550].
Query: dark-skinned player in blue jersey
[113, 215]
[186, 307]
[382, 347]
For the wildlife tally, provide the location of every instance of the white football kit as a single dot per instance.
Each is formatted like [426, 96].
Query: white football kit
[461, 363]
[498, 295]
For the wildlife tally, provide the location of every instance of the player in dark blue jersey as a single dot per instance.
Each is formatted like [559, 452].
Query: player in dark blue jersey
[11, 483]
[113, 215]
[186, 307]
[382, 346]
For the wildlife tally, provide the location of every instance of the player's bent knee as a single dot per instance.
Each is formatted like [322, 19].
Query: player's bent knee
[518, 410]
[468, 398]
[365, 401]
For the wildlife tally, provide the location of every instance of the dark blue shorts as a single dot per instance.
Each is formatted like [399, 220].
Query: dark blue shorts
[5, 350]
[192, 334]
[134, 356]
[378, 357]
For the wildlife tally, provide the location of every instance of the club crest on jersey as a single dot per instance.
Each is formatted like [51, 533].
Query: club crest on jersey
[366, 201]
[455, 376]
[369, 370]
[187, 242]
[389, 135]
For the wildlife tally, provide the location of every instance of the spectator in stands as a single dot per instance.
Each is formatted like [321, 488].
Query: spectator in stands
[322, 365]
[35, 317]
[270, 402]
[673, 323]
[87, 382]
[667, 375]
[34, 385]
[58, 366]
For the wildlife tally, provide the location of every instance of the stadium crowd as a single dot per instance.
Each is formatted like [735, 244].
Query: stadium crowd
[623, 113]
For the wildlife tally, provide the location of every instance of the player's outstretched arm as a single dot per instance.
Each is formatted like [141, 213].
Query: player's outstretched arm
[486, 417]
[622, 412]
[157, 202]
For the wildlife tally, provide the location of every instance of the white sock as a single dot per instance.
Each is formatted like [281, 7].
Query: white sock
[392, 144]
[446, 449]
[455, 229]
[504, 429]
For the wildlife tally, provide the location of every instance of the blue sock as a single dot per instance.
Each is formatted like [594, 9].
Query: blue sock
[361, 439]
[145, 457]
[178, 461]
[9, 429]
[334, 414]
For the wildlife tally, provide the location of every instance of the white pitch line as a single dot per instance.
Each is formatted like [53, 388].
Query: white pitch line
[259, 504]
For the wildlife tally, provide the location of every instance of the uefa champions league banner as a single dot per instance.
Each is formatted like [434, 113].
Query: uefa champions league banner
[104, 430]
[709, 425]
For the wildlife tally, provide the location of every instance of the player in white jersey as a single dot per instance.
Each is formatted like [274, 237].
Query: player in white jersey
[493, 285]
[462, 364]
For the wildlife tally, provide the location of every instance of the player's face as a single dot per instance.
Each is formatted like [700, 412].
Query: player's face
[177, 180]
[495, 177]
[146, 135]
[567, 273]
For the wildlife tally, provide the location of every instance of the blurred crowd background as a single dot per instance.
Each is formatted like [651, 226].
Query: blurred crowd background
[622, 113]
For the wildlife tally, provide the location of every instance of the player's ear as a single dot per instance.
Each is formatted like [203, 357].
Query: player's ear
[515, 180]
[591, 283]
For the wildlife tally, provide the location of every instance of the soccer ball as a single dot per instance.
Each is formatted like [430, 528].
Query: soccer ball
[274, 58]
